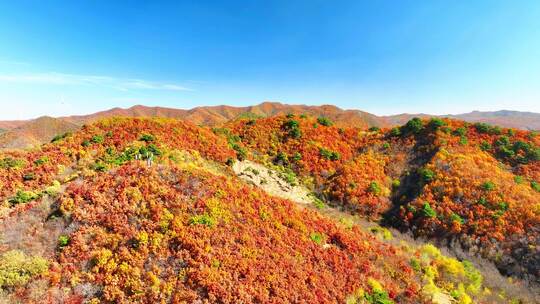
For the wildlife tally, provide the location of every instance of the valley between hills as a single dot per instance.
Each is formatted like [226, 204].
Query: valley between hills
[286, 205]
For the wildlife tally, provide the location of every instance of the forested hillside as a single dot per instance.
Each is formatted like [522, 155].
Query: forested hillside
[149, 210]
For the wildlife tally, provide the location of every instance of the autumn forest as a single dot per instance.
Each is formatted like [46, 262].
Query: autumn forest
[151, 210]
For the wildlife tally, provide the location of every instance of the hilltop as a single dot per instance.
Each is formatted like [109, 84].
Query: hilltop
[24, 134]
[152, 209]
[35, 132]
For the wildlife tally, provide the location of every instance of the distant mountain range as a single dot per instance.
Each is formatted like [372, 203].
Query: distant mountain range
[26, 133]
[503, 118]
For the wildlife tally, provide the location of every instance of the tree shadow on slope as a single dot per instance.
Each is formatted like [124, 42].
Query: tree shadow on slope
[411, 181]
[521, 262]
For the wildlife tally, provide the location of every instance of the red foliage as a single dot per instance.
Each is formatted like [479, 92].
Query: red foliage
[136, 238]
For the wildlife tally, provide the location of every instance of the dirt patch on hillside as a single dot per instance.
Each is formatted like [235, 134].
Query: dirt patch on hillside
[271, 182]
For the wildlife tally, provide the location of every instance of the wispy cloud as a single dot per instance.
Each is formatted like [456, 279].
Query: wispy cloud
[13, 62]
[123, 84]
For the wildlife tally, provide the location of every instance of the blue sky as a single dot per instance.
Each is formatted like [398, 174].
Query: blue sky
[385, 57]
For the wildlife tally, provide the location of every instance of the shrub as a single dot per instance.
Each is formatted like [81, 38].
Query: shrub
[60, 137]
[22, 197]
[518, 179]
[295, 133]
[154, 150]
[202, 219]
[297, 156]
[97, 139]
[330, 155]
[99, 166]
[446, 129]
[463, 140]
[40, 161]
[414, 125]
[241, 153]
[293, 128]
[17, 269]
[323, 121]
[461, 131]
[503, 206]
[488, 186]
[415, 264]
[502, 141]
[317, 237]
[374, 129]
[506, 152]
[456, 218]
[281, 158]
[482, 201]
[63, 241]
[229, 162]
[495, 130]
[8, 163]
[374, 188]
[386, 146]
[436, 123]
[534, 154]
[29, 176]
[290, 124]
[147, 138]
[427, 211]
[473, 275]
[395, 131]
[521, 146]
[487, 129]
[53, 189]
[317, 202]
[377, 295]
[482, 127]
[535, 185]
[288, 175]
[484, 146]
[384, 233]
[426, 175]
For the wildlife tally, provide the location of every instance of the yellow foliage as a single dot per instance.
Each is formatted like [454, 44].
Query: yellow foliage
[142, 238]
[102, 256]
[67, 205]
[216, 210]
[53, 189]
[17, 269]
[430, 250]
[375, 285]
[452, 266]
[357, 297]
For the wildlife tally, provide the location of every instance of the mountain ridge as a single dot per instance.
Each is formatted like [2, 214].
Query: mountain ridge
[23, 133]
